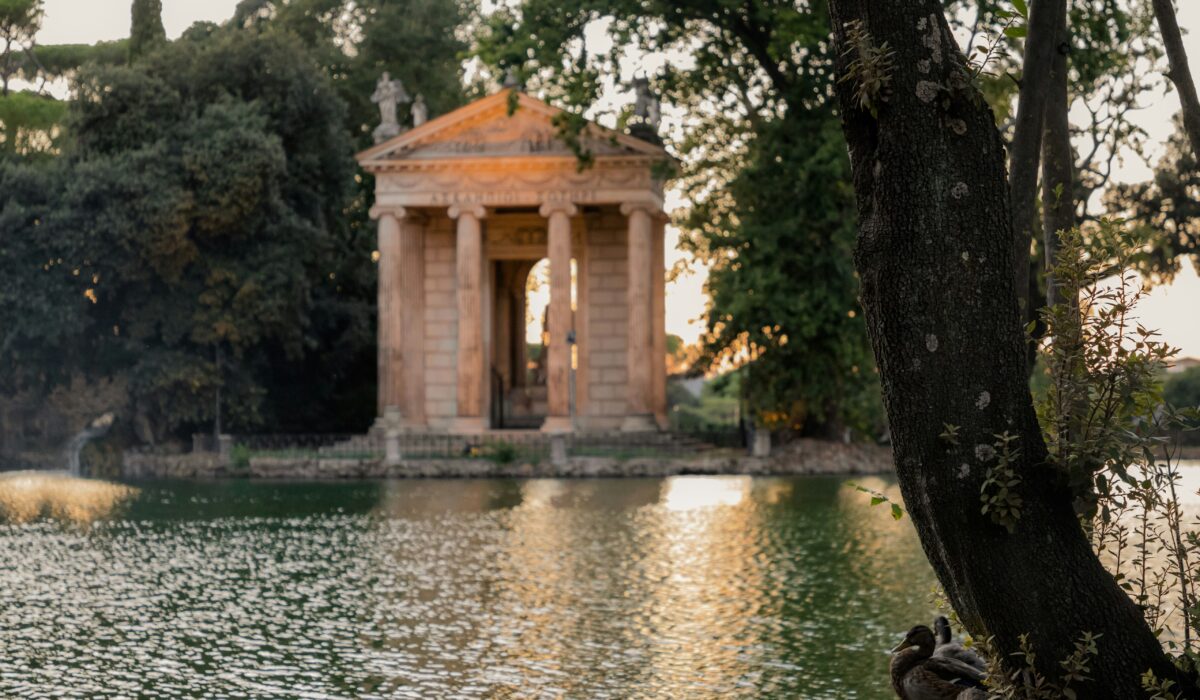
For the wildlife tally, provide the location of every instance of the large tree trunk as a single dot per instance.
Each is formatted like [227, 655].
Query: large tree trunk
[1027, 137]
[1180, 73]
[939, 290]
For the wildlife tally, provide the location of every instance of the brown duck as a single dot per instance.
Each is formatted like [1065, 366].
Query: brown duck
[917, 674]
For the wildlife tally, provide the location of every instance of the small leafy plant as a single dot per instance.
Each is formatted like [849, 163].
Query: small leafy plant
[878, 498]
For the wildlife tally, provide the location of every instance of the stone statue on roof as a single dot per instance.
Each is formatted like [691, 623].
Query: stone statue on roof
[647, 111]
[388, 93]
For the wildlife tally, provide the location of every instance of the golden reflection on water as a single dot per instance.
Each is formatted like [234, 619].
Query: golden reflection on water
[684, 576]
[710, 585]
[27, 496]
[686, 587]
[693, 492]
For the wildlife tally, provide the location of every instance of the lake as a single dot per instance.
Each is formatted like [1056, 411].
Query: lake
[686, 587]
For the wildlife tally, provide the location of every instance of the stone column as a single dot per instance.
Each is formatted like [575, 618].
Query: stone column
[558, 361]
[639, 414]
[658, 311]
[387, 377]
[412, 320]
[469, 263]
[401, 309]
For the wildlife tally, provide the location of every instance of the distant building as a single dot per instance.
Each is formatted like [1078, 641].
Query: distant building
[1183, 363]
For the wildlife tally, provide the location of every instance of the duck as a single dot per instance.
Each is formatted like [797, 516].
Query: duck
[948, 648]
[917, 674]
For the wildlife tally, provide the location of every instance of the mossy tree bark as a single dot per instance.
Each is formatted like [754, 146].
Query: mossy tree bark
[939, 291]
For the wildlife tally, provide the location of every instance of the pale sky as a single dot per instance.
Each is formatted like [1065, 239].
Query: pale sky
[1171, 309]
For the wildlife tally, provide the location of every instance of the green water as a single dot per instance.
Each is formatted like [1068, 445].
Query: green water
[688, 587]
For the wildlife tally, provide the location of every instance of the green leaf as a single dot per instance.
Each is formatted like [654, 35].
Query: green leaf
[897, 512]
[876, 500]
[1016, 32]
[1022, 8]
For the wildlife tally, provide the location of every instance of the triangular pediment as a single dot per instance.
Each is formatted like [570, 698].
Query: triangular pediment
[485, 129]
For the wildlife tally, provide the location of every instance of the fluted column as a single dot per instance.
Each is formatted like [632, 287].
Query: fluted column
[639, 415]
[469, 263]
[558, 361]
[401, 311]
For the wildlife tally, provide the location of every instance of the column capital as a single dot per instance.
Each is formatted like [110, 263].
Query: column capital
[378, 211]
[476, 210]
[649, 207]
[549, 208]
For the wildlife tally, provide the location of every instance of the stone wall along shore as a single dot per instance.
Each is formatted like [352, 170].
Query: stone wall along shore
[802, 457]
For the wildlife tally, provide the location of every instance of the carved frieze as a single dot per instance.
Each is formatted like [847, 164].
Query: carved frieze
[517, 236]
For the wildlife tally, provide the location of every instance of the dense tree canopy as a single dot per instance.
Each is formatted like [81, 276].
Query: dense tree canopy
[199, 211]
[203, 232]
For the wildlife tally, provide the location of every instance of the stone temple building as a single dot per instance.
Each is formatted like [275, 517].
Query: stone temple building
[466, 205]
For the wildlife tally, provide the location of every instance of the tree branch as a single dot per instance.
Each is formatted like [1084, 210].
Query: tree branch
[1027, 136]
[1058, 177]
[1179, 74]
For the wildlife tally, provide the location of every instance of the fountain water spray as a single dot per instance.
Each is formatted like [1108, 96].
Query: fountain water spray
[97, 428]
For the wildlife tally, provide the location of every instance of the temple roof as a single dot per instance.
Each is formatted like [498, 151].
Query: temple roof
[484, 130]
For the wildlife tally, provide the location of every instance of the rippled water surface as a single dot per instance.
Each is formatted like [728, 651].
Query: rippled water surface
[688, 587]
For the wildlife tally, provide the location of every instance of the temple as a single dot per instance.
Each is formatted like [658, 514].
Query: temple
[467, 204]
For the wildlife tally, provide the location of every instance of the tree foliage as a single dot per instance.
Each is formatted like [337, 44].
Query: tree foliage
[1182, 390]
[198, 211]
[19, 23]
[354, 41]
[1165, 211]
[197, 226]
[29, 125]
[763, 167]
[146, 28]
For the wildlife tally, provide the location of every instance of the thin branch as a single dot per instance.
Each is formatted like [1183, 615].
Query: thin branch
[1179, 74]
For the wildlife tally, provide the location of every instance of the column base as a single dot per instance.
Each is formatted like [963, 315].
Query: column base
[558, 424]
[392, 418]
[639, 423]
[468, 425]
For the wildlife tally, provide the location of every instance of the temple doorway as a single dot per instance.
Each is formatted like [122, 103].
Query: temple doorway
[518, 389]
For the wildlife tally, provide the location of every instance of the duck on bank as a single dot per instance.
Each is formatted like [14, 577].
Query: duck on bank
[947, 647]
[919, 673]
